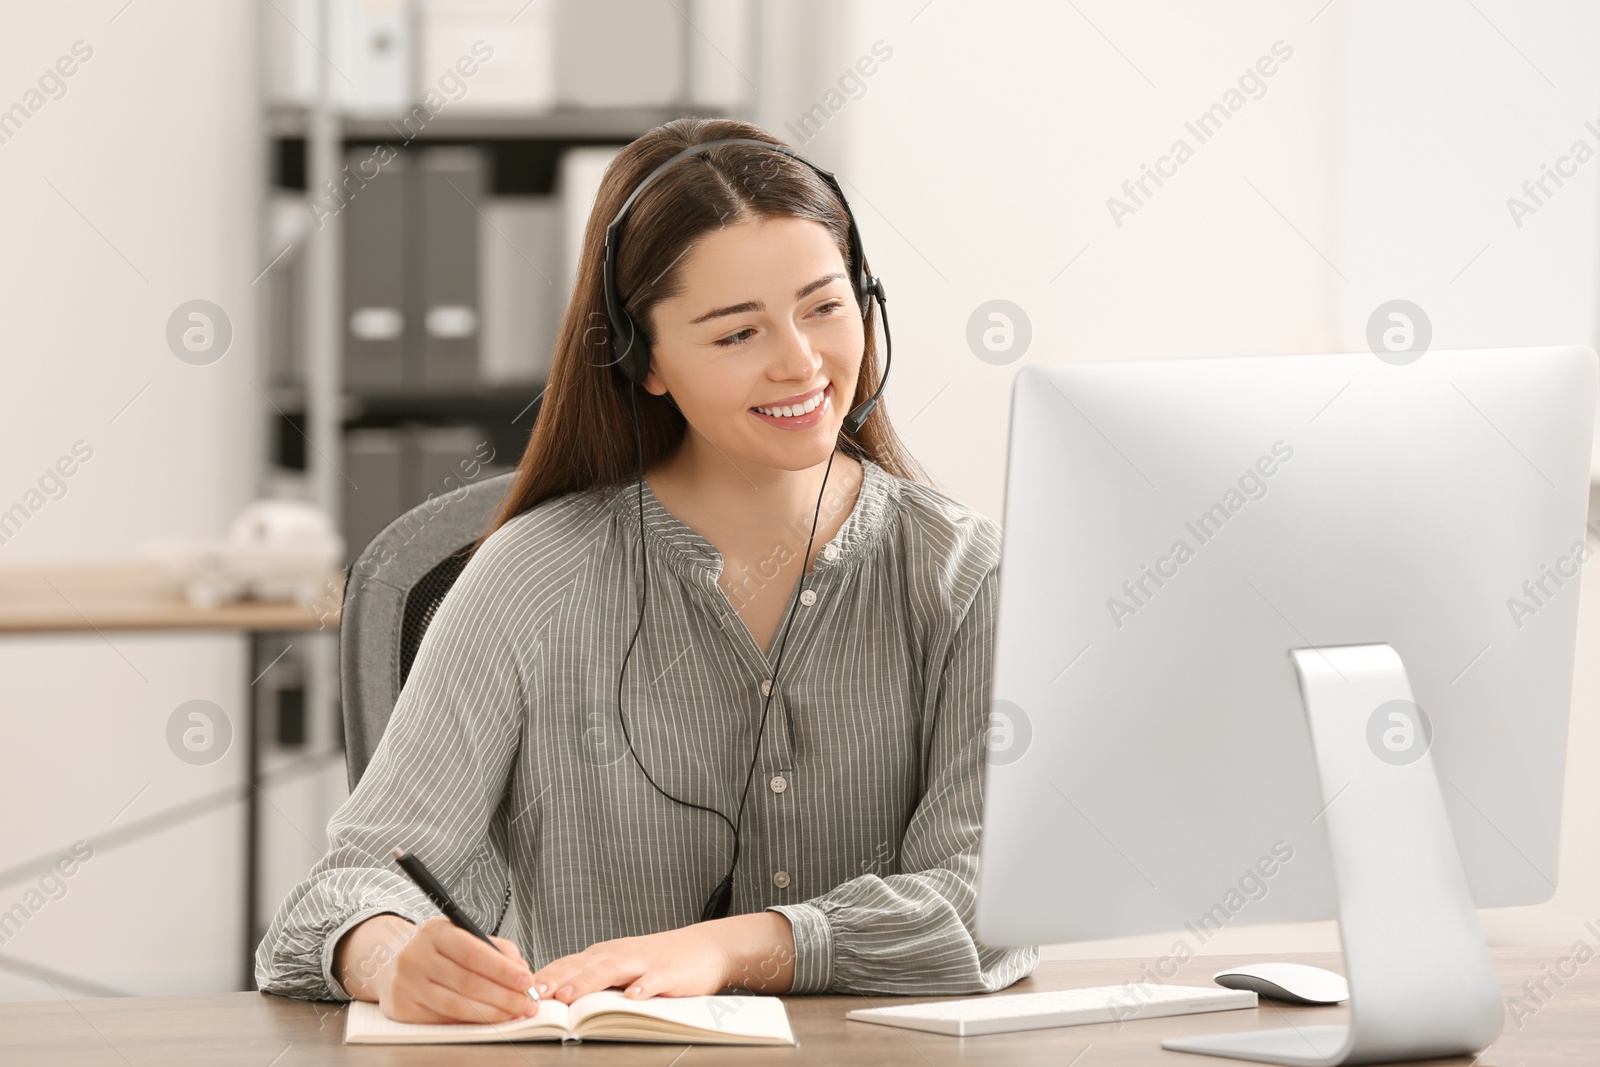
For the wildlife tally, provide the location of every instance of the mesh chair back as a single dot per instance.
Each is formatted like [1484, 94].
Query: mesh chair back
[391, 594]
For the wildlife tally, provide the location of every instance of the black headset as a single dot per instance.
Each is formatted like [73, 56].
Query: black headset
[632, 359]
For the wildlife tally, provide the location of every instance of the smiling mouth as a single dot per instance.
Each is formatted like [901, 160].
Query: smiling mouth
[783, 411]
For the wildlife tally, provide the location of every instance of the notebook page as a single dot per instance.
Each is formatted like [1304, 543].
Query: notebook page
[367, 1020]
[743, 1016]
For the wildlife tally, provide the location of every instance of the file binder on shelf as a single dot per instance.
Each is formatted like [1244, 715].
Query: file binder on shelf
[374, 492]
[520, 258]
[643, 43]
[450, 183]
[374, 279]
[391, 469]
[577, 183]
[488, 56]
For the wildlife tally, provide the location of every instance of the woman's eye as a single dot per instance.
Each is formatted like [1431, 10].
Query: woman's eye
[742, 336]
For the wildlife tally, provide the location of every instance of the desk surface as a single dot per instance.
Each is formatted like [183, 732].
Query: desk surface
[257, 1029]
[134, 595]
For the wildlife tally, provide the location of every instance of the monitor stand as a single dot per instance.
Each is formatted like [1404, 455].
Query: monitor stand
[1421, 982]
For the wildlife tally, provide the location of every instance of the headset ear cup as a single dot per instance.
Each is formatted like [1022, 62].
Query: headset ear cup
[867, 292]
[634, 363]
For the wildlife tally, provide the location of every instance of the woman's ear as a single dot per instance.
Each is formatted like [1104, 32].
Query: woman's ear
[653, 382]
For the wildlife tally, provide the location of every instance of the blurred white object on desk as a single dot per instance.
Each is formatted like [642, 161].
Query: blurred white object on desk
[275, 550]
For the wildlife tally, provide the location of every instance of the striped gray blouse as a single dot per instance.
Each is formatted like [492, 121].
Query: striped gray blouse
[504, 766]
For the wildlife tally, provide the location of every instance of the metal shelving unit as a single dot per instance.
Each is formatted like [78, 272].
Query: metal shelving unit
[610, 125]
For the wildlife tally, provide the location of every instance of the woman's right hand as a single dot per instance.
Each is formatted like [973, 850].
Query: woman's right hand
[433, 973]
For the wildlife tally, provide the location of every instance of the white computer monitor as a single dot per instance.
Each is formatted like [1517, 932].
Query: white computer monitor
[1205, 558]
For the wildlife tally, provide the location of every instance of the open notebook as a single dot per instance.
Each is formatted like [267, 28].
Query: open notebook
[603, 1016]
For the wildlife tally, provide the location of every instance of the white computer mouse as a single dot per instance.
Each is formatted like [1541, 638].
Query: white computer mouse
[1293, 983]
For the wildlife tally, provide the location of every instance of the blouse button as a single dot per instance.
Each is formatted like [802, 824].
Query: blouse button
[780, 879]
[830, 551]
[779, 783]
[766, 687]
[808, 597]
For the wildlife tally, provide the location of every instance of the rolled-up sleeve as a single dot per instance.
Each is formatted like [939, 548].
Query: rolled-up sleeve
[433, 784]
[911, 932]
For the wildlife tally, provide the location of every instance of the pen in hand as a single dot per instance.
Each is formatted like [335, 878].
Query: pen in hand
[418, 872]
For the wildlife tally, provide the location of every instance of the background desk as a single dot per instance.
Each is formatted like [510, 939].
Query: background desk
[258, 1029]
[124, 595]
[135, 595]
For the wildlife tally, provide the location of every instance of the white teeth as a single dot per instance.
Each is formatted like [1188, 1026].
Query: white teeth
[791, 410]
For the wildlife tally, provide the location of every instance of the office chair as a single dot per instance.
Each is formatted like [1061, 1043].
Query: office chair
[391, 593]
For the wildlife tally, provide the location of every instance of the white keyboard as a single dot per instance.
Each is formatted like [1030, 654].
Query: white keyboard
[1001, 1013]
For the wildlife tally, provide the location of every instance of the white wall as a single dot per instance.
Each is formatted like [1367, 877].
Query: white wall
[1444, 113]
[1375, 165]
[131, 194]
[982, 155]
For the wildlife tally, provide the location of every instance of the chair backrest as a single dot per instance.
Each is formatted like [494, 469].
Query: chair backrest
[390, 595]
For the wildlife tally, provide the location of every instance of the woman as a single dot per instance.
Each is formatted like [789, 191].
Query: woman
[612, 807]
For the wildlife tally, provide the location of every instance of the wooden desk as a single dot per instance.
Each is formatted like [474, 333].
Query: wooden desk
[134, 595]
[258, 1029]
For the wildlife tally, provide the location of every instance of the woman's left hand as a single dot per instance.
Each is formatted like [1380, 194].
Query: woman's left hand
[696, 960]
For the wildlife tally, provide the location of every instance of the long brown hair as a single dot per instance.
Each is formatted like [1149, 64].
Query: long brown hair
[583, 435]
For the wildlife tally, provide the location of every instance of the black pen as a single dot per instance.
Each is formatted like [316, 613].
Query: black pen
[418, 872]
